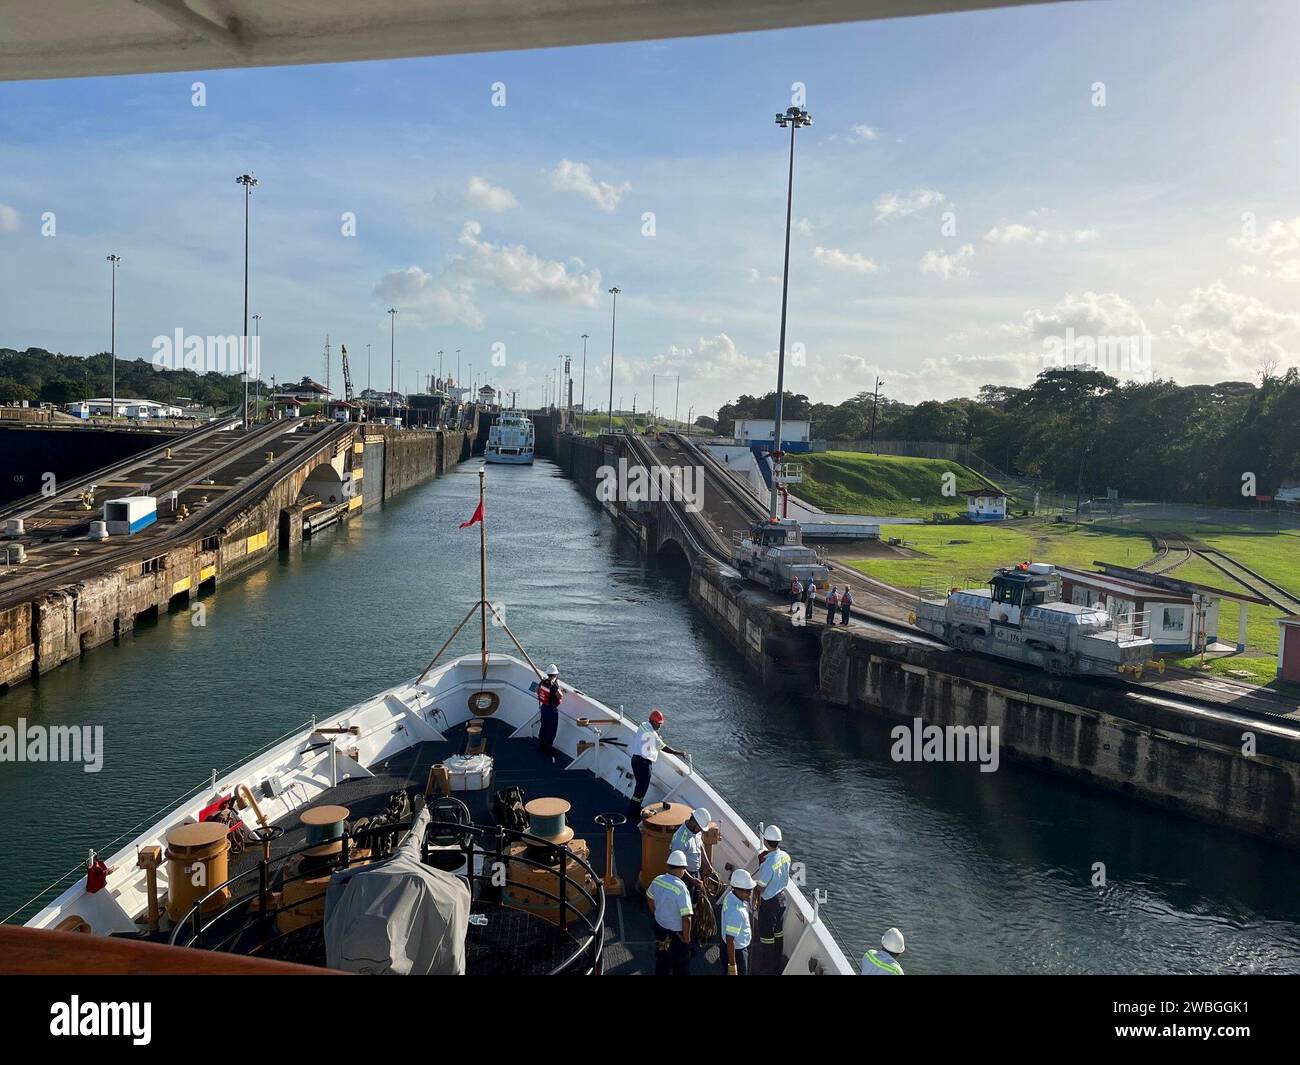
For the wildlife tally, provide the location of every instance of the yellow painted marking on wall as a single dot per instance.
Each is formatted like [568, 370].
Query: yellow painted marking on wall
[358, 447]
[354, 502]
[357, 474]
[181, 586]
[207, 573]
[256, 542]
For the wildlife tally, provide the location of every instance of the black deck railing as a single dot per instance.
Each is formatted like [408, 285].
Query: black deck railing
[237, 927]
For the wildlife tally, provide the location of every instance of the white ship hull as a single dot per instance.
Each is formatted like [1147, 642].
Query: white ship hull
[311, 762]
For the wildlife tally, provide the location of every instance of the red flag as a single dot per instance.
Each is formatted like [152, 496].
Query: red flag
[478, 516]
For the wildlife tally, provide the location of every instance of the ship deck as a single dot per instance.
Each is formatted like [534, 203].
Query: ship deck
[512, 942]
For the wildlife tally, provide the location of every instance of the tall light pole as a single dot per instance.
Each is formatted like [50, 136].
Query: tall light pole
[392, 355]
[875, 403]
[613, 321]
[257, 357]
[584, 384]
[441, 383]
[250, 183]
[793, 117]
[113, 261]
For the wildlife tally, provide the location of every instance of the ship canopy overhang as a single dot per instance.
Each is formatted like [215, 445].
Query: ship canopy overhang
[78, 38]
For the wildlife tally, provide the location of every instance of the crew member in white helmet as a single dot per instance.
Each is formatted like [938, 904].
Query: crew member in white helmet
[884, 962]
[772, 877]
[689, 839]
[736, 931]
[670, 906]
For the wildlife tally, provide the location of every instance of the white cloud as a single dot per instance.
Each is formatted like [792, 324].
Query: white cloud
[488, 197]
[1278, 246]
[900, 204]
[845, 260]
[864, 133]
[10, 219]
[514, 268]
[947, 266]
[1091, 314]
[415, 290]
[1226, 334]
[576, 177]
[1019, 233]
[802, 226]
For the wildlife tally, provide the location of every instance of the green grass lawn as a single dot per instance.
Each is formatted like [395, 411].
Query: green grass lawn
[888, 485]
[967, 555]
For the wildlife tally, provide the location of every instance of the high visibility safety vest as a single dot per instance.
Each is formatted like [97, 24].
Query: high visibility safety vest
[880, 963]
[549, 694]
[833, 599]
[672, 901]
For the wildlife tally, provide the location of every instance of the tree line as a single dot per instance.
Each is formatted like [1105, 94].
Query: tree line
[1082, 430]
[37, 375]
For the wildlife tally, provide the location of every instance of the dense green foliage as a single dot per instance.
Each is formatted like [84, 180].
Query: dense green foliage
[37, 374]
[1082, 429]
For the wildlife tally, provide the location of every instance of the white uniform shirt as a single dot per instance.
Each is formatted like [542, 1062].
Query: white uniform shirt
[691, 845]
[774, 874]
[735, 921]
[648, 742]
[672, 901]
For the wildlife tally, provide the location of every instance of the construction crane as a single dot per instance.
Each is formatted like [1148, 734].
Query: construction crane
[347, 374]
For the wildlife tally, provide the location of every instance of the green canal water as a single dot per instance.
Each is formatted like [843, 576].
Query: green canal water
[985, 873]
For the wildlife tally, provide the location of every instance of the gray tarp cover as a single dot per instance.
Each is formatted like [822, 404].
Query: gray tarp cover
[397, 916]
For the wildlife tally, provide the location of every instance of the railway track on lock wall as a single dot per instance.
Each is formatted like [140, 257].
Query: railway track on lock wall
[202, 522]
[1212, 694]
[730, 508]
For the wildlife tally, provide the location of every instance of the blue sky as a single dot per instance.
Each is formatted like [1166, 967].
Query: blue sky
[1171, 213]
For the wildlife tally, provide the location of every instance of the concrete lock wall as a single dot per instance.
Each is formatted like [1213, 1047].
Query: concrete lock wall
[59, 625]
[1190, 761]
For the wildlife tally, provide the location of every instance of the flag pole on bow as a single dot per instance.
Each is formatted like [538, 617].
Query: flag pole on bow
[482, 606]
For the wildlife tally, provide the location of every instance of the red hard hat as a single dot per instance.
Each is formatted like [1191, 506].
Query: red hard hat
[656, 717]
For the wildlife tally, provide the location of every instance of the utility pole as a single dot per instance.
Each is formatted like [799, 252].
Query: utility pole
[257, 357]
[113, 261]
[613, 321]
[392, 355]
[793, 117]
[584, 384]
[875, 403]
[249, 182]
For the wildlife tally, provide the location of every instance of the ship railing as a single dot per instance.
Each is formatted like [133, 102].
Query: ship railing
[231, 921]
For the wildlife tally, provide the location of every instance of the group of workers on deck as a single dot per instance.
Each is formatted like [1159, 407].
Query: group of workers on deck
[835, 600]
[755, 903]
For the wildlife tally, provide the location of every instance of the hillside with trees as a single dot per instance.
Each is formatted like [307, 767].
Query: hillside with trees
[39, 375]
[1081, 430]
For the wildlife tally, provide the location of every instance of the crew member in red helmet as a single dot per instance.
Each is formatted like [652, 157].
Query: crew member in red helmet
[645, 751]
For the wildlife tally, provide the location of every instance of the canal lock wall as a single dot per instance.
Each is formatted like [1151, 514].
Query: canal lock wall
[57, 626]
[1190, 760]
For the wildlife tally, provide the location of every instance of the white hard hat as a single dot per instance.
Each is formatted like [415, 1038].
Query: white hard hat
[701, 816]
[552, 670]
[772, 834]
[741, 879]
[892, 941]
[677, 860]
